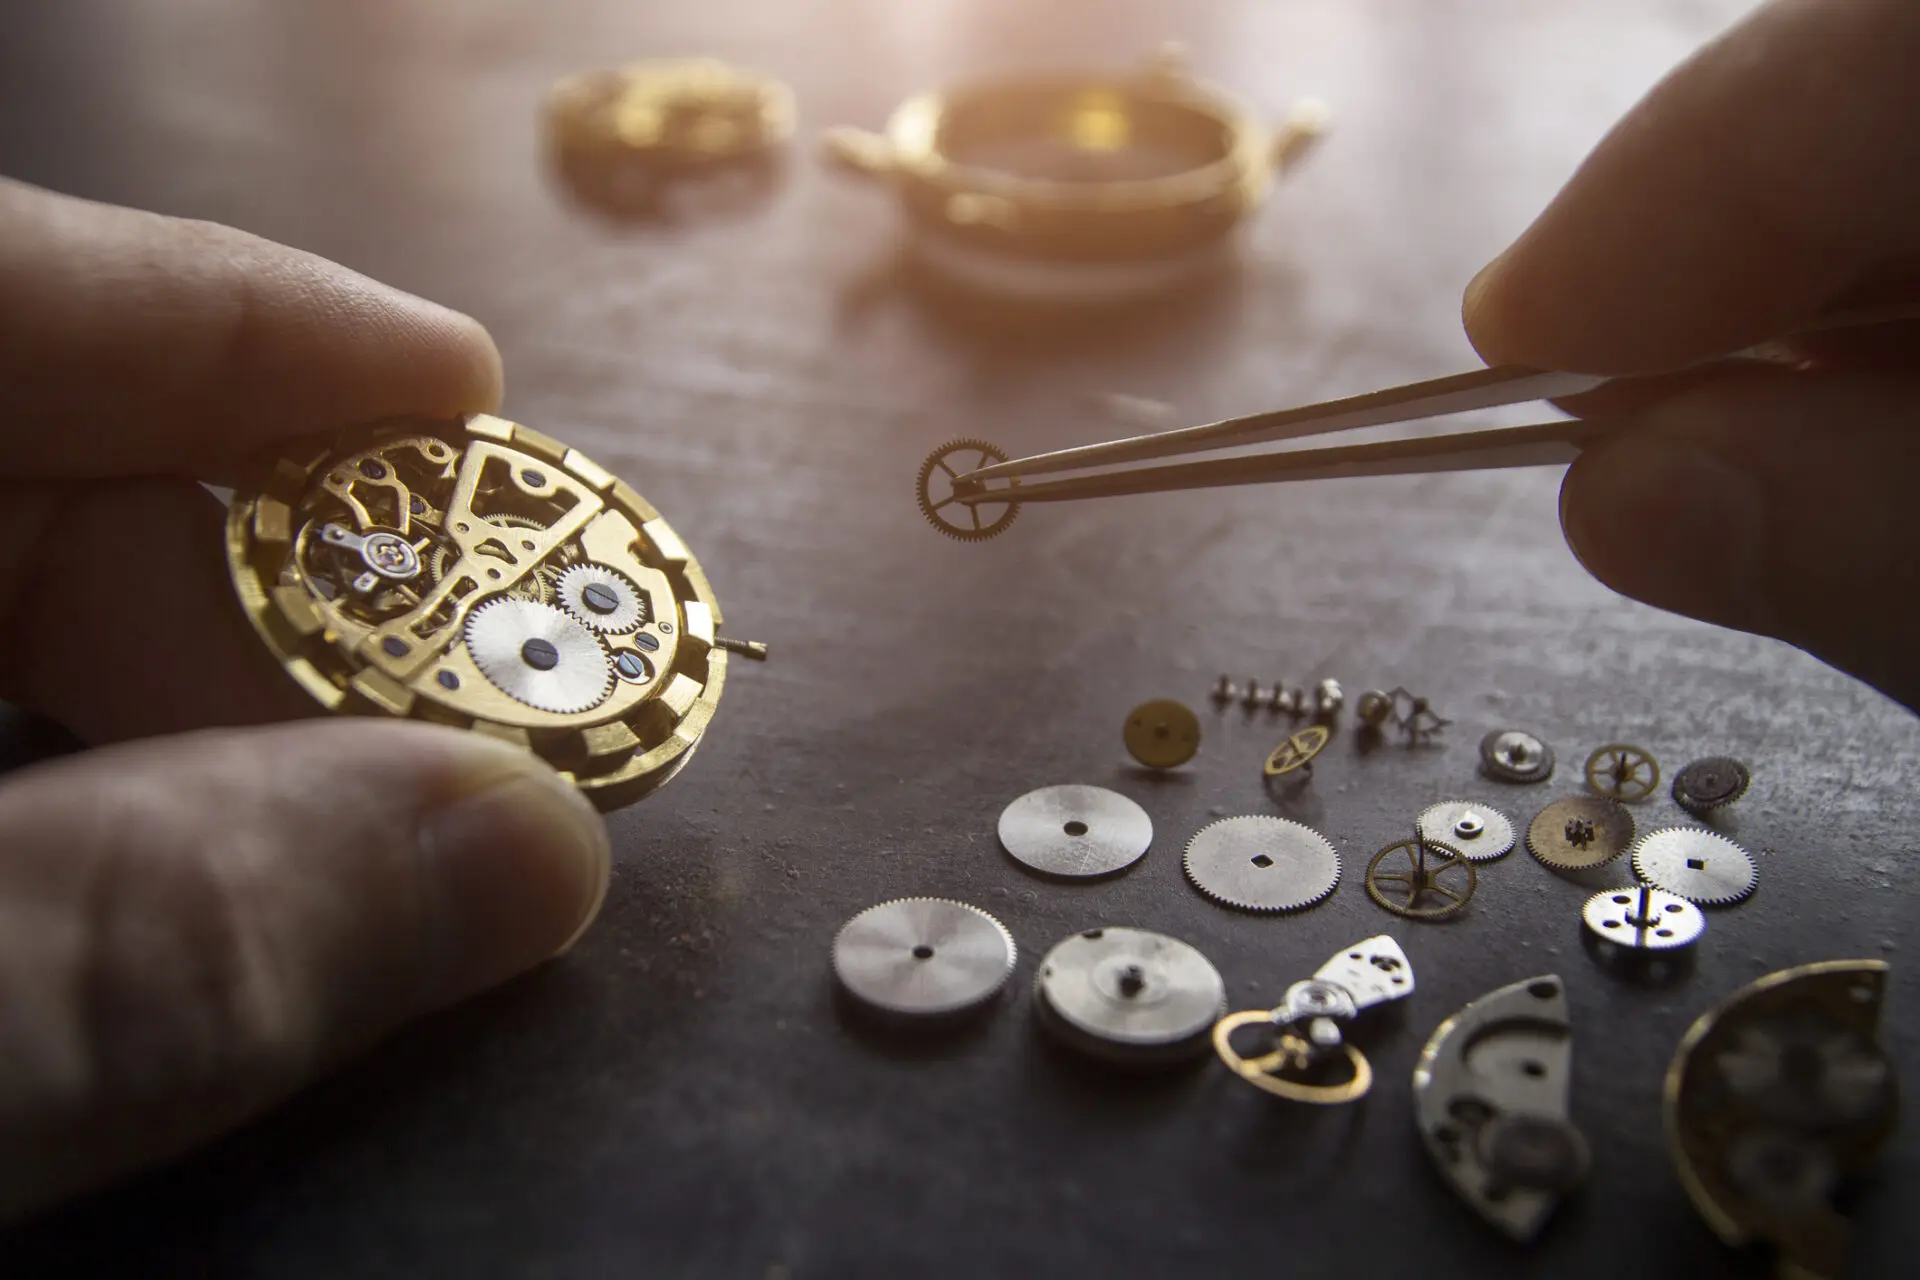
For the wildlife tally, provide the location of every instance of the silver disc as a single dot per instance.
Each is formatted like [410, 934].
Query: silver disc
[1643, 918]
[1696, 864]
[1262, 864]
[1075, 831]
[1128, 995]
[1477, 832]
[602, 598]
[923, 957]
[538, 655]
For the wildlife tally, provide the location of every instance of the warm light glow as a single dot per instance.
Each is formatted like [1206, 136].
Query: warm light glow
[1098, 122]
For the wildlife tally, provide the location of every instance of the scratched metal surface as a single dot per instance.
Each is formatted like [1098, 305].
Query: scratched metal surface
[681, 1096]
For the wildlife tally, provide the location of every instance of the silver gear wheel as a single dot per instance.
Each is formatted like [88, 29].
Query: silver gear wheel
[536, 654]
[1696, 864]
[602, 598]
[1477, 832]
[1259, 863]
[923, 958]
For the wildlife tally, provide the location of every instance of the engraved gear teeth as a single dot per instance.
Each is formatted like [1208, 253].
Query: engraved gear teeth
[1578, 833]
[1709, 784]
[538, 655]
[917, 959]
[604, 599]
[966, 523]
[1696, 864]
[1477, 832]
[1259, 863]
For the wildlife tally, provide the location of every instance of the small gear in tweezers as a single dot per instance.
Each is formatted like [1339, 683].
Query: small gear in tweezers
[1696, 864]
[1258, 863]
[602, 598]
[948, 514]
[536, 654]
[1709, 784]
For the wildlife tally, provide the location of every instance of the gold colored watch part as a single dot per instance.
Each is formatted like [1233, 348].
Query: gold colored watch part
[1577, 833]
[1705, 1119]
[1131, 164]
[485, 508]
[686, 110]
[1621, 771]
[1297, 751]
[1292, 1054]
[1162, 734]
[1404, 892]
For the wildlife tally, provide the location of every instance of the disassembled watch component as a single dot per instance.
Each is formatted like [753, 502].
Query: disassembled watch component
[1252, 699]
[1643, 919]
[933, 489]
[1286, 701]
[1225, 690]
[1328, 698]
[1709, 784]
[671, 110]
[1579, 833]
[1077, 188]
[1477, 832]
[1075, 832]
[1374, 708]
[1490, 1099]
[1418, 720]
[1259, 863]
[1162, 734]
[923, 958]
[1619, 771]
[1696, 864]
[1304, 1036]
[1437, 883]
[1297, 752]
[1511, 755]
[1774, 1098]
[455, 572]
[1129, 996]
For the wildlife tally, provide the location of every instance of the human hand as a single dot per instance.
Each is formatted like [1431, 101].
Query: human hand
[1773, 177]
[192, 926]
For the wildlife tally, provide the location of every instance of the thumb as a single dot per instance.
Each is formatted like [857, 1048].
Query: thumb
[192, 927]
[1778, 503]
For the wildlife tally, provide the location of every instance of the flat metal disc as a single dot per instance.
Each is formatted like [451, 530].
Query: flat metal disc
[1643, 918]
[1580, 832]
[1259, 863]
[1477, 832]
[1696, 864]
[1128, 995]
[1075, 831]
[1162, 734]
[1706, 785]
[538, 655]
[1514, 755]
[923, 957]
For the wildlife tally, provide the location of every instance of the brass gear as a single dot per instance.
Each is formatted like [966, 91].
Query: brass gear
[1579, 833]
[1621, 771]
[1401, 892]
[936, 464]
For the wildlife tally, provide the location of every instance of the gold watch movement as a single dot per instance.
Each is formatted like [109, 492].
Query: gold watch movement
[479, 574]
[1077, 184]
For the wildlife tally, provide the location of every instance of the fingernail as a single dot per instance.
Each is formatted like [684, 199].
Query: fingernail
[521, 867]
[1663, 521]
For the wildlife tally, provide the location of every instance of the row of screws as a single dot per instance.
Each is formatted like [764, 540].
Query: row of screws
[1325, 701]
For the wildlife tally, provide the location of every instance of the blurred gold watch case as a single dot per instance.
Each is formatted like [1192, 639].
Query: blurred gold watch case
[1077, 186]
[479, 574]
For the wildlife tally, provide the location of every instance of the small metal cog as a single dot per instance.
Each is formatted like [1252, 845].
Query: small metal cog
[1580, 832]
[1075, 832]
[1643, 918]
[930, 507]
[536, 654]
[1706, 785]
[1258, 863]
[1477, 832]
[1696, 864]
[602, 598]
[1162, 734]
[923, 958]
[1402, 892]
[1513, 755]
[1622, 771]
[1129, 996]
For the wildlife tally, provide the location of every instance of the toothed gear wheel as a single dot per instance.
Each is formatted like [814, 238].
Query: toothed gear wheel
[923, 958]
[974, 455]
[1696, 864]
[536, 654]
[602, 598]
[1258, 863]
[1706, 785]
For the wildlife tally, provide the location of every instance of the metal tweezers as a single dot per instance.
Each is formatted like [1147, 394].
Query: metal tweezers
[1542, 444]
